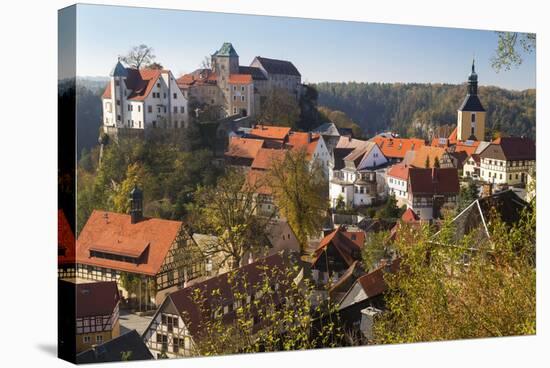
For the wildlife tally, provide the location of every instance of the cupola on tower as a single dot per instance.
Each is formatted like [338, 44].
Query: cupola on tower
[471, 114]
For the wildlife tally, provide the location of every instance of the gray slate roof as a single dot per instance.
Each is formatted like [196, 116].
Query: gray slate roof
[112, 350]
[275, 66]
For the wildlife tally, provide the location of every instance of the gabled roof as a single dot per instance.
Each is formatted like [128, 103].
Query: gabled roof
[424, 152]
[399, 171]
[349, 142]
[453, 136]
[359, 153]
[140, 82]
[302, 140]
[275, 66]
[347, 248]
[338, 155]
[434, 181]
[396, 148]
[66, 242]
[198, 77]
[510, 149]
[243, 147]
[266, 157]
[256, 73]
[471, 103]
[96, 298]
[110, 232]
[225, 284]
[477, 216]
[409, 216]
[112, 350]
[328, 129]
[119, 70]
[269, 132]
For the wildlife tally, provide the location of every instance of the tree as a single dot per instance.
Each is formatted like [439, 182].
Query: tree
[467, 195]
[228, 210]
[299, 189]
[279, 107]
[427, 163]
[340, 119]
[289, 320]
[390, 209]
[447, 289]
[121, 196]
[507, 54]
[376, 248]
[156, 65]
[139, 56]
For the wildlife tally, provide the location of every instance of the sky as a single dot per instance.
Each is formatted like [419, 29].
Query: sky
[322, 50]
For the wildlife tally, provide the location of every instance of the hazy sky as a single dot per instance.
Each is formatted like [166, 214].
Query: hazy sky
[323, 50]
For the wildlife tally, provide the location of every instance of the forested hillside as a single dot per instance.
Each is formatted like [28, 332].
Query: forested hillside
[412, 109]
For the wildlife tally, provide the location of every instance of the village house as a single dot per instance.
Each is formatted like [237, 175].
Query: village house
[66, 247]
[508, 161]
[395, 148]
[430, 189]
[159, 253]
[178, 325]
[96, 312]
[427, 156]
[330, 133]
[472, 167]
[236, 89]
[397, 178]
[139, 99]
[335, 254]
[353, 173]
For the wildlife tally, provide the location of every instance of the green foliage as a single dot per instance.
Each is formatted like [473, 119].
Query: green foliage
[168, 175]
[390, 209]
[427, 163]
[280, 318]
[448, 290]
[300, 192]
[376, 247]
[125, 355]
[467, 195]
[341, 120]
[436, 162]
[414, 108]
[510, 47]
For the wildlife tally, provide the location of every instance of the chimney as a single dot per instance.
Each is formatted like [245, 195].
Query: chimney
[136, 205]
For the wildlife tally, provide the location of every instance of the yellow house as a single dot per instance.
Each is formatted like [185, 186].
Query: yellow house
[471, 114]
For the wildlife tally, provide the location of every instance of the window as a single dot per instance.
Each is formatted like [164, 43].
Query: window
[242, 98]
[164, 95]
[129, 107]
[158, 85]
[473, 118]
[149, 109]
[99, 339]
[175, 109]
[234, 98]
[342, 189]
[98, 321]
[118, 102]
[234, 88]
[175, 96]
[158, 110]
[118, 118]
[139, 108]
[154, 124]
[242, 88]
[86, 339]
[117, 83]
[472, 130]
[182, 109]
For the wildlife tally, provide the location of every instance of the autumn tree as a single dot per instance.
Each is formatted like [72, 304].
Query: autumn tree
[299, 189]
[450, 289]
[139, 57]
[436, 162]
[279, 107]
[510, 47]
[229, 211]
[121, 195]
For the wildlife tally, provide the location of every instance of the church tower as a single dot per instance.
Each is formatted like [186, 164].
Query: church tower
[471, 114]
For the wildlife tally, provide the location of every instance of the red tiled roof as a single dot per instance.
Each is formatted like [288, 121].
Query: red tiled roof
[358, 237]
[409, 216]
[266, 156]
[301, 140]
[114, 233]
[140, 82]
[198, 77]
[244, 147]
[343, 245]
[425, 152]
[96, 298]
[269, 132]
[373, 283]
[257, 180]
[453, 136]
[240, 79]
[469, 147]
[65, 240]
[434, 181]
[397, 147]
[399, 171]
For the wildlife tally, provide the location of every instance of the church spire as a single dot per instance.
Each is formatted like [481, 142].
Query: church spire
[472, 80]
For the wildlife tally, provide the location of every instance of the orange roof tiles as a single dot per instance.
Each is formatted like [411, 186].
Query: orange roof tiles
[269, 132]
[399, 171]
[114, 233]
[257, 180]
[266, 156]
[301, 140]
[244, 147]
[240, 79]
[409, 216]
[140, 82]
[470, 147]
[425, 152]
[397, 147]
[453, 136]
[343, 244]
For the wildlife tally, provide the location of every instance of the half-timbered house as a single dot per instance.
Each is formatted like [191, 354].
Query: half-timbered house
[159, 254]
[178, 326]
[97, 312]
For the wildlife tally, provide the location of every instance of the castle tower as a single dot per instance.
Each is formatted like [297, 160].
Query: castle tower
[471, 114]
[118, 85]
